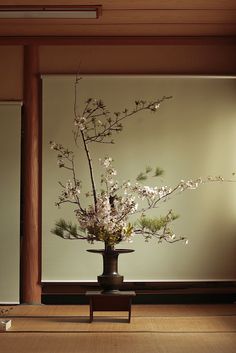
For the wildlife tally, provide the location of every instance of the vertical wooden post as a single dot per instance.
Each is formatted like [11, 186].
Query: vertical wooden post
[30, 243]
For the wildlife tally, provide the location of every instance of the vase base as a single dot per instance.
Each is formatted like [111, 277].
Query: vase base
[110, 291]
[110, 283]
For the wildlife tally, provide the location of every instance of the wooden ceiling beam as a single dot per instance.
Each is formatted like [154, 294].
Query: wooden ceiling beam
[76, 40]
[136, 4]
[129, 30]
[136, 16]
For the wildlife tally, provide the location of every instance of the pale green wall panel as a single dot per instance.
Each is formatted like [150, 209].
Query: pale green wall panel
[192, 135]
[10, 133]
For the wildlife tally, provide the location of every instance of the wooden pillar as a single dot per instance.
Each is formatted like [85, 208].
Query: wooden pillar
[30, 242]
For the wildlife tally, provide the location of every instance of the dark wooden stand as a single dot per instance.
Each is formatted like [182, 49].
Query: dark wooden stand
[110, 301]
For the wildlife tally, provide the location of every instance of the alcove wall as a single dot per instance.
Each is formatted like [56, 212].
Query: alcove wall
[192, 135]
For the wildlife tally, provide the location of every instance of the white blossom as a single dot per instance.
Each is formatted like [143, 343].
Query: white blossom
[80, 122]
[53, 145]
[60, 162]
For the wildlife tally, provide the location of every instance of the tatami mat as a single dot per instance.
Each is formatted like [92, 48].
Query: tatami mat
[153, 328]
[137, 310]
[118, 343]
[119, 324]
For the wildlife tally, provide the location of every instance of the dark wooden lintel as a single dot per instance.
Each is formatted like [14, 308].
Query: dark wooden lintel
[125, 40]
[200, 287]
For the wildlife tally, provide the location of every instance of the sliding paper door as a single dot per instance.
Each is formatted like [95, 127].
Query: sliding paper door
[10, 132]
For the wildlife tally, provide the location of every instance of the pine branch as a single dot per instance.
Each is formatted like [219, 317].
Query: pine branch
[67, 230]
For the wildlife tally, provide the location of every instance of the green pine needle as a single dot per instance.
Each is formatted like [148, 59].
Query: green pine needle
[141, 177]
[62, 227]
[155, 224]
[148, 169]
[158, 172]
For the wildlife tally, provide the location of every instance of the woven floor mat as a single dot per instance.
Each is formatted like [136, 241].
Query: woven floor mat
[119, 324]
[137, 310]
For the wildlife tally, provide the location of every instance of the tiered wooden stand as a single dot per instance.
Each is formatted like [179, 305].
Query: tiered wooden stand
[110, 301]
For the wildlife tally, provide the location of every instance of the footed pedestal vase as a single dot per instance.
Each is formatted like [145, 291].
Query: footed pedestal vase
[110, 280]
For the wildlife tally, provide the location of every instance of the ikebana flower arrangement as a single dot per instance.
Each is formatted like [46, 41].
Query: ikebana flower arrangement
[107, 217]
[115, 211]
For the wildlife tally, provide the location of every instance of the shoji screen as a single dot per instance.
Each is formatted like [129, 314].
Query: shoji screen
[10, 146]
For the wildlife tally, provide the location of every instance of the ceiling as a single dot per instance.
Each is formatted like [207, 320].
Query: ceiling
[132, 18]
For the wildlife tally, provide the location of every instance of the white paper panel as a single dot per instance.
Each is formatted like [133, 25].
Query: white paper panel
[10, 120]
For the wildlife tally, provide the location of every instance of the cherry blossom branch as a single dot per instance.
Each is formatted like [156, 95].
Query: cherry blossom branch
[72, 190]
[90, 170]
[116, 125]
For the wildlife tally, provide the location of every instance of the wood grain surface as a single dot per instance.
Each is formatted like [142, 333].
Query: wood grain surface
[31, 242]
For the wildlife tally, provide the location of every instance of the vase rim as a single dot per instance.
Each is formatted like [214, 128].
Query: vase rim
[118, 251]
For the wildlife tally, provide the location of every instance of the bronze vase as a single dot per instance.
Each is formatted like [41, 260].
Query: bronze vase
[110, 280]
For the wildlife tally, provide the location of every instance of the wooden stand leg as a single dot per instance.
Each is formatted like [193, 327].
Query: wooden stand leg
[91, 310]
[129, 319]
